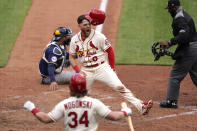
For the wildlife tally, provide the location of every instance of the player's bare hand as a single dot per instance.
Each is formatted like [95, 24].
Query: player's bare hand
[53, 86]
[164, 43]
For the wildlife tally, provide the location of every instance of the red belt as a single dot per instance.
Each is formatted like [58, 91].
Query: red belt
[95, 65]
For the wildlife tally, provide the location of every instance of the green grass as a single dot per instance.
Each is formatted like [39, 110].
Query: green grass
[143, 22]
[12, 14]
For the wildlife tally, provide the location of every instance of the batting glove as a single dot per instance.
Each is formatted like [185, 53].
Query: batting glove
[127, 111]
[29, 106]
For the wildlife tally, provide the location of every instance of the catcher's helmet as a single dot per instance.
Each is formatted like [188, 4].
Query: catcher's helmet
[160, 51]
[78, 83]
[61, 32]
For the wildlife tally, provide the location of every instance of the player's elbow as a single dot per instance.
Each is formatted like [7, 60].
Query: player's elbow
[46, 120]
[114, 116]
[43, 117]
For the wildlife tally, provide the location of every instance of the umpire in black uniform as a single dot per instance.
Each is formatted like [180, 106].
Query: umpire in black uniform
[185, 55]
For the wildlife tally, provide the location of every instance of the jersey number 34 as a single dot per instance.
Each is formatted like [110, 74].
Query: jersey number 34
[83, 120]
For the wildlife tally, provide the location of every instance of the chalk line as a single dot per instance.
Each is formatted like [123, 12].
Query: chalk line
[171, 115]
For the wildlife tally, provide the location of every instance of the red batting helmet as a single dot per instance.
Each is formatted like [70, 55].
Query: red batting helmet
[78, 83]
[96, 16]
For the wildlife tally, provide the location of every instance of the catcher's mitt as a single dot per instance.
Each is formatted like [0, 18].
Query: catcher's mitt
[160, 51]
[96, 16]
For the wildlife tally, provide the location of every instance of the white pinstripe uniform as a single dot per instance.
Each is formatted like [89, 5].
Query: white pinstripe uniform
[80, 114]
[91, 54]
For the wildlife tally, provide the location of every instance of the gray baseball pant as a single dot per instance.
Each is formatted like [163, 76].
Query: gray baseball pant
[61, 78]
[187, 64]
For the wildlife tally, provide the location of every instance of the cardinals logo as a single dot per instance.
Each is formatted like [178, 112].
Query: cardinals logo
[79, 53]
[91, 51]
[93, 46]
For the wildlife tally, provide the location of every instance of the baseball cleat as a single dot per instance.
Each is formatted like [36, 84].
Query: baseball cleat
[168, 104]
[146, 106]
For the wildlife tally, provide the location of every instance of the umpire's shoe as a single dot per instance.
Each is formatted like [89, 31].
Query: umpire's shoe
[169, 104]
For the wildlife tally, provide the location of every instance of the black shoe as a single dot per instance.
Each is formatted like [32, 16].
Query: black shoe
[169, 104]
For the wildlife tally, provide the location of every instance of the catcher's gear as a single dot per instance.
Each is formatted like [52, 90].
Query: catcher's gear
[160, 51]
[78, 83]
[96, 16]
[61, 32]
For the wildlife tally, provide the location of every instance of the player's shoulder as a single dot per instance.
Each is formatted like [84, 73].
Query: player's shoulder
[179, 15]
[97, 33]
[99, 36]
[51, 45]
[75, 36]
[55, 49]
[75, 39]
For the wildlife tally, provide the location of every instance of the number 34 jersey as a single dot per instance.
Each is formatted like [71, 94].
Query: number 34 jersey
[80, 114]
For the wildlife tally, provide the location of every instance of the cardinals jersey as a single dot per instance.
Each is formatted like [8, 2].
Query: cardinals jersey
[80, 114]
[90, 51]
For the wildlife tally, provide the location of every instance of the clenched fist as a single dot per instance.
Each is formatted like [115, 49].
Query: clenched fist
[127, 111]
[29, 106]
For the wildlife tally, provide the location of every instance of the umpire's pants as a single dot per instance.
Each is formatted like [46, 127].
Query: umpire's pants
[188, 63]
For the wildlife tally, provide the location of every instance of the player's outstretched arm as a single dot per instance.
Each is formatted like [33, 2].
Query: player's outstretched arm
[43, 117]
[117, 115]
[111, 57]
[73, 62]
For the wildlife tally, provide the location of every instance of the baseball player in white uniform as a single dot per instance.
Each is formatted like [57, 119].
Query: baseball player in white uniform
[96, 56]
[79, 111]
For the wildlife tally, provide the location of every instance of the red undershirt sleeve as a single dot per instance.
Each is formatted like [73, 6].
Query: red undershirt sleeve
[111, 57]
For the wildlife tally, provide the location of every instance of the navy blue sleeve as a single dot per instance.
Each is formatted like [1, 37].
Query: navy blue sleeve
[52, 58]
[51, 71]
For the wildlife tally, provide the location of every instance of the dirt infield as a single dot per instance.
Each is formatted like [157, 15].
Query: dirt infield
[20, 80]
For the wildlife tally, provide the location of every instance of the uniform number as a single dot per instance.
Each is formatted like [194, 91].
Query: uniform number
[83, 120]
